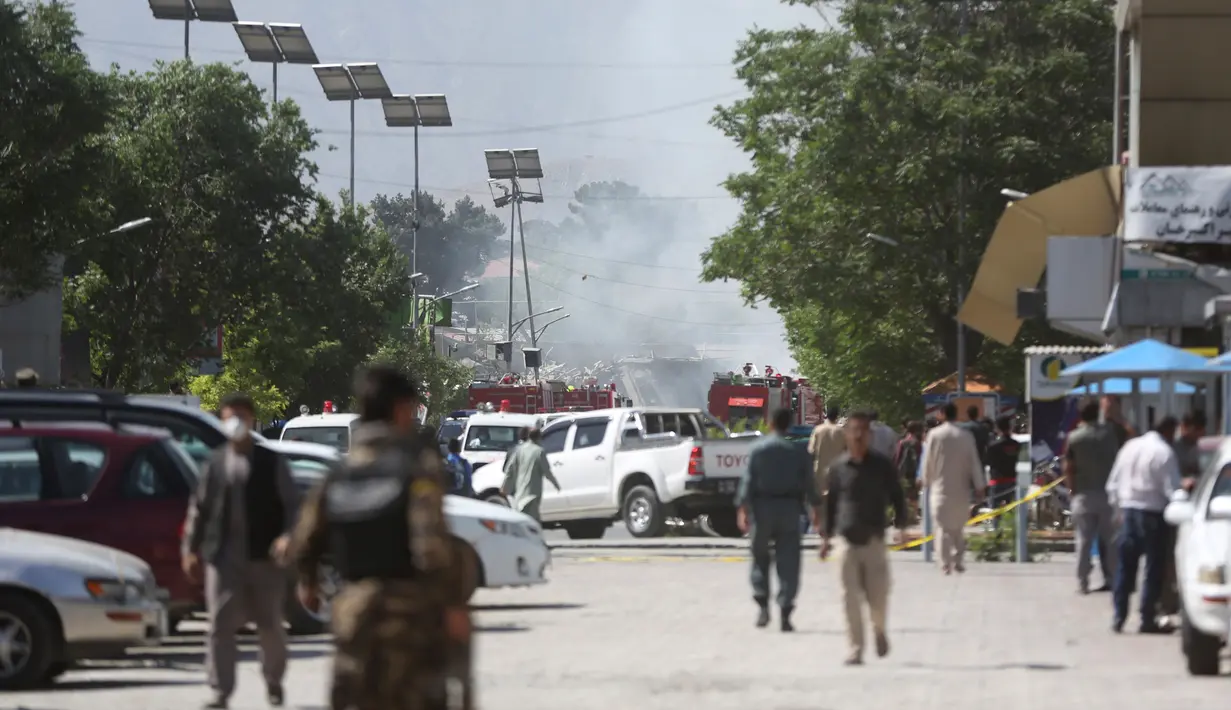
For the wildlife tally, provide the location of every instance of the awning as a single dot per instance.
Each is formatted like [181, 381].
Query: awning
[1016, 255]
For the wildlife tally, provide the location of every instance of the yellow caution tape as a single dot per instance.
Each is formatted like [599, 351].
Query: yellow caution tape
[983, 517]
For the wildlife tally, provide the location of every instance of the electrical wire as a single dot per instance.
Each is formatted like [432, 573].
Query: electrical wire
[588, 275]
[501, 64]
[547, 127]
[647, 315]
[459, 191]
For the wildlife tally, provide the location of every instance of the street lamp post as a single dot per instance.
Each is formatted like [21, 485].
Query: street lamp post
[544, 328]
[349, 82]
[275, 43]
[516, 165]
[188, 10]
[520, 323]
[429, 111]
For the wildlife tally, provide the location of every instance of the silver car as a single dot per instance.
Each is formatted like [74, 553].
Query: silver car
[64, 600]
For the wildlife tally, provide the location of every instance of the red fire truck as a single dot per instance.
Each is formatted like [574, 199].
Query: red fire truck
[752, 397]
[544, 398]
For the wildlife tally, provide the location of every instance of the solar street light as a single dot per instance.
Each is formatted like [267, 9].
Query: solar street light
[188, 10]
[275, 43]
[350, 82]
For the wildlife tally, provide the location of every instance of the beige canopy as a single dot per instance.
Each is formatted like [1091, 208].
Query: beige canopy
[1085, 206]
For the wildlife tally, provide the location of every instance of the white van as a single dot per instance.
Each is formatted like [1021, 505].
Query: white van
[329, 429]
[488, 437]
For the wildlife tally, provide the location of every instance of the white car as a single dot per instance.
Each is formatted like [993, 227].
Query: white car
[1202, 559]
[64, 600]
[507, 547]
[489, 436]
[333, 429]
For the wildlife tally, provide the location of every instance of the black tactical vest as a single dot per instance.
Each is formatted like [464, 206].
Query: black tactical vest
[368, 511]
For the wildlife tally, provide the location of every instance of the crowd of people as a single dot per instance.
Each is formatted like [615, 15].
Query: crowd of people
[858, 469]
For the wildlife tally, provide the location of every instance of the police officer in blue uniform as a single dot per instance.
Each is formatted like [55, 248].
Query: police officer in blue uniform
[776, 487]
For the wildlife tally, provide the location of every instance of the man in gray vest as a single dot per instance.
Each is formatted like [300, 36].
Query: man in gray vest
[238, 525]
[772, 493]
[1088, 458]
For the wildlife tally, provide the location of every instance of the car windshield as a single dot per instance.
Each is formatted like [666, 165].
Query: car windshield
[491, 438]
[188, 465]
[336, 436]
[450, 430]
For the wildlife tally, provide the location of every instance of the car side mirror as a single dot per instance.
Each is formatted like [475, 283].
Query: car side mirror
[1179, 512]
[1220, 508]
[1179, 496]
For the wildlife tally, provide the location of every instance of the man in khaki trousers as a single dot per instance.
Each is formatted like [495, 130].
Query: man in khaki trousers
[862, 485]
[826, 444]
[952, 472]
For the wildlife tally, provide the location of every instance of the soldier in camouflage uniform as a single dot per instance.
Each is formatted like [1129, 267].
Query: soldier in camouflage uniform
[401, 622]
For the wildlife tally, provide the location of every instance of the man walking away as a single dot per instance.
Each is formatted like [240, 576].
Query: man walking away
[773, 491]
[906, 461]
[460, 470]
[884, 440]
[1145, 475]
[826, 444]
[951, 468]
[862, 485]
[1088, 458]
[981, 433]
[238, 525]
[27, 379]
[400, 623]
[1002, 455]
[524, 471]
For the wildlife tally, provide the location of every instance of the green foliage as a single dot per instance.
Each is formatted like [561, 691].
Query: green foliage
[193, 147]
[859, 130]
[244, 373]
[1000, 544]
[443, 382]
[453, 244]
[55, 113]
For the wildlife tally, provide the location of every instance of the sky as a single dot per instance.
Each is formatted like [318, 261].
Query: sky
[603, 90]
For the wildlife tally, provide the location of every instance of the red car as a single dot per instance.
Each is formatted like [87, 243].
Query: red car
[127, 489]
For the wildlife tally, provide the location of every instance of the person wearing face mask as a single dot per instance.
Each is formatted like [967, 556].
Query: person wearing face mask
[238, 527]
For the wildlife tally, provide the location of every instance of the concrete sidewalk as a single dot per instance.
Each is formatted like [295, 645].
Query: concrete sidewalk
[1054, 542]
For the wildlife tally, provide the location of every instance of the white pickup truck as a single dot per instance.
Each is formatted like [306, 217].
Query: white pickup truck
[644, 465]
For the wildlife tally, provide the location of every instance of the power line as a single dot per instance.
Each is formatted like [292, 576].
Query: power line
[501, 64]
[692, 269]
[548, 127]
[506, 128]
[646, 315]
[572, 198]
[588, 275]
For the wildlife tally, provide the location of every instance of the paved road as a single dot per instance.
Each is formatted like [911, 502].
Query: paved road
[647, 631]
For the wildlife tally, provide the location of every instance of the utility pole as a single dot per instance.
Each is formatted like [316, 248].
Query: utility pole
[961, 230]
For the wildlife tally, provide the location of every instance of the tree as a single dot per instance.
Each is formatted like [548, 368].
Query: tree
[195, 148]
[868, 128]
[453, 244]
[443, 382]
[55, 112]
[332, 287]
[245, 372]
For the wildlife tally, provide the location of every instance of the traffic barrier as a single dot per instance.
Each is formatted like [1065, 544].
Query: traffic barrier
[983, 517]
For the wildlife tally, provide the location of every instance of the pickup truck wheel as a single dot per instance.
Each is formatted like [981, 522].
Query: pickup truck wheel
[28, 641]
[643, 512]
[586, 529]
[724, 524]
[1200, 650]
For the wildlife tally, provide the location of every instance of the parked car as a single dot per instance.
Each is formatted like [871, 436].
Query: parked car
[65, 600]
[332, 429]
[1202, 559]
[642, 465]
[506, 548]
[127, 489]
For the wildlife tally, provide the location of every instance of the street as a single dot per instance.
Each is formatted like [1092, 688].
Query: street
[657, 629]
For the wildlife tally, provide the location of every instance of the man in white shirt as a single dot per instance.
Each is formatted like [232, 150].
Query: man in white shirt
[1144, 476]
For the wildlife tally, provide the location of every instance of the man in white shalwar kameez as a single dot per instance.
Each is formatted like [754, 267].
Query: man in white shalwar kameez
[952, 472]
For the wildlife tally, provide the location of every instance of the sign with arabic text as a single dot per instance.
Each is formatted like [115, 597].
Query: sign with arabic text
[1178, 204]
